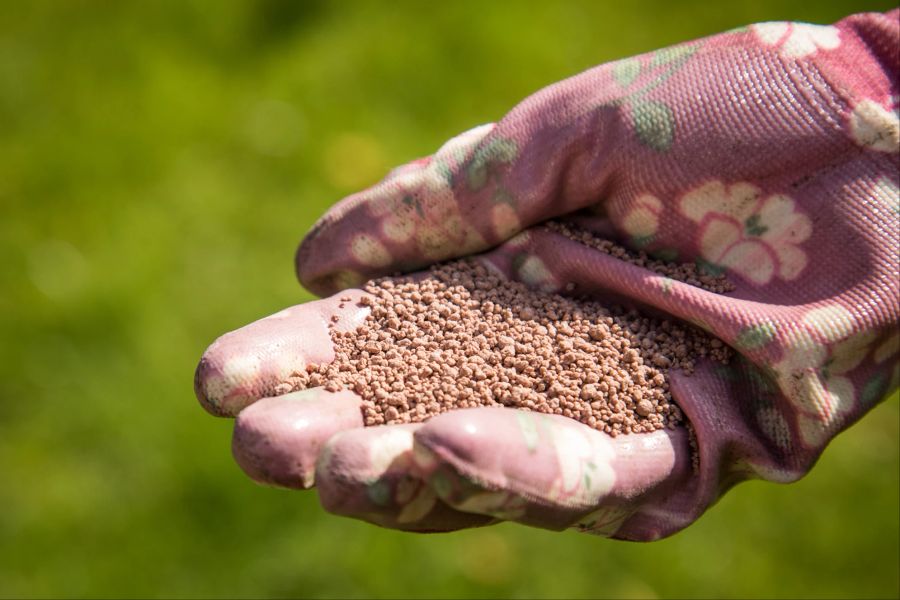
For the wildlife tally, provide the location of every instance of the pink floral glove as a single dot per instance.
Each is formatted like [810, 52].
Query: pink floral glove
[769, 153]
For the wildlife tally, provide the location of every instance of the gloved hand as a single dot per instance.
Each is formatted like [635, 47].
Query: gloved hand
[769, 153]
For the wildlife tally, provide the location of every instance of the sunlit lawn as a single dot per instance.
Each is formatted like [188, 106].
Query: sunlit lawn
[159, 161]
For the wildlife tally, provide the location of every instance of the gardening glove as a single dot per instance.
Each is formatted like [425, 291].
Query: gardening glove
[768, 153]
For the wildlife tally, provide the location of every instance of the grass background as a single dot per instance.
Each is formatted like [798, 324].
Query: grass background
[159, 161]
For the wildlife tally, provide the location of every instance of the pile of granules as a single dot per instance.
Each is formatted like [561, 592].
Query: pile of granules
[465, 337]
[684, 272]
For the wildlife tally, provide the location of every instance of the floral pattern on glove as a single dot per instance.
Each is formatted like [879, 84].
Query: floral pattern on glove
[416, 204]
[585, 474]
[876, 127]
[754, 236]
[642, 221]
[817, 357]
[797, 40]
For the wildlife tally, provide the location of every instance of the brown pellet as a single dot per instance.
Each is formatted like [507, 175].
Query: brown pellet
[684, 272]
[464, 337]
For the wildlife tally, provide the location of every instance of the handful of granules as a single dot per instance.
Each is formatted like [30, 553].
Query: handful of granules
[684, 272]
[465, 337]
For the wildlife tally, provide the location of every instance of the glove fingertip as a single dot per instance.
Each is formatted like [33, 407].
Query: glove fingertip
[277, 440]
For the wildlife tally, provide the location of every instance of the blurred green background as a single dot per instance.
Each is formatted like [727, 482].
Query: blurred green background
[159, 162]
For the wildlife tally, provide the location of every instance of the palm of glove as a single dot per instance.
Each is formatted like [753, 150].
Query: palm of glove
[769, 153]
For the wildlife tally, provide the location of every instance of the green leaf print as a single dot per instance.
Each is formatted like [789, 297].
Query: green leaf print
[486, 157]
[755, 336]
[444, 170]
[709, 268]
[753, 227]
[675, 54]
[873, 391]
[379, 492]
[725, 373]
[666, 254]
[667, 286]
[502, 196]
[626, 71]
[441, 484]
[414, 202]
[762, 382]
[639, 241]
[519, 260]
[654, 124]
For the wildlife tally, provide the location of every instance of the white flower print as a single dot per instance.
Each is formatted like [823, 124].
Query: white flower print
[817, 355]
[874, 126]
[797, 40]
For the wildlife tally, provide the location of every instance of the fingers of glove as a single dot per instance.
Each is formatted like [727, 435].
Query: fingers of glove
[552, 154]
[547, 157]
[629, 136]
[258, 359]
[278, 440]
[546, 470]
[369, 474]
[411, 219]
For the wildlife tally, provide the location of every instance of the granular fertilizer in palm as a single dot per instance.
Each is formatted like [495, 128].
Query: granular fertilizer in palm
[464, 336]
